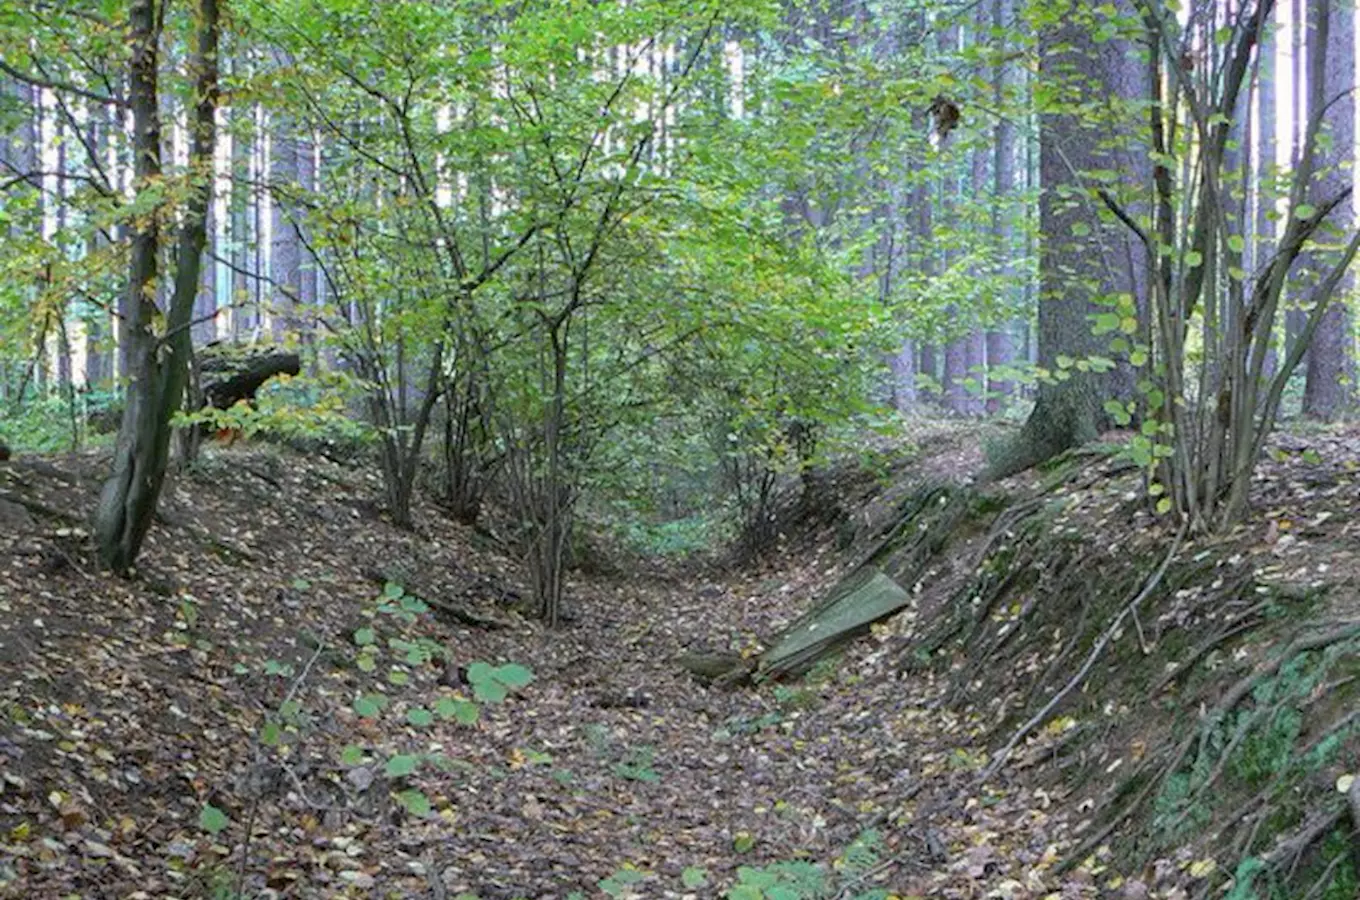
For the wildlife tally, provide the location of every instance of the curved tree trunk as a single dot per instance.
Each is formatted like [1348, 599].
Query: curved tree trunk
[159, 362]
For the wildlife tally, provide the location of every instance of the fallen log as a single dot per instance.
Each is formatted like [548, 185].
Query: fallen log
[230, 374]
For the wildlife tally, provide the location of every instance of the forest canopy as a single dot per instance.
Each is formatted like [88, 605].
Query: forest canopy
[655, 265]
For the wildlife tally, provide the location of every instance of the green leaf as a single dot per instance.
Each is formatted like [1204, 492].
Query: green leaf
[398, 677]
[1312, 457]
[419, 716]
[393, 591]
[212, 820]
[514, 675]
[1305, 211]
[490, 691]
[364, 636]
[1119, 412]
[370, 705]
[415, 801]
[271, 734]
[401, 765]
[1163, 506]
[694, 877]
[1105, 323]
[1235, 243]
[743, 842]
[467, 712]
[1194, 259]
[352, 755]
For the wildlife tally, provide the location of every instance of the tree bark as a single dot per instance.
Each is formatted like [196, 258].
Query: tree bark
[285, 279]
[205, 304]
[244, 315]
[98, 355]
[1264, 237]
[1081, 254]
[1000, 344]
[1331, 30]
[127, 502]
[1295, 316]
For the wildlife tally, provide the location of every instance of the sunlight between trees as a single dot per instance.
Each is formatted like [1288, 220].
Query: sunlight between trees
[652, 265]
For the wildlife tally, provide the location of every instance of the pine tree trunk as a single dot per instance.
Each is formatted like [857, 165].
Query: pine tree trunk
[1000, 347]
[244, 314]
[285, 281]
[1263, 237]
[1081, 255]
[1327, 392]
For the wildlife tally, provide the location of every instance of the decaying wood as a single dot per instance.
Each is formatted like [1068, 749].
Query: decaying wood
[230, 376]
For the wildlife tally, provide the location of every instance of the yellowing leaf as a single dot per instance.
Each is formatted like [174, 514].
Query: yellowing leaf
[1345, 783]
[1202, 868]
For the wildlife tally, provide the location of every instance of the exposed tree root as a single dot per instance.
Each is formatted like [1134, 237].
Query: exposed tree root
[37, 507]
[1235, 695]
[1239, 624]
[1034, 721]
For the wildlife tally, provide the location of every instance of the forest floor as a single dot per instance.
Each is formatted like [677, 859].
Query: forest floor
[254, 667]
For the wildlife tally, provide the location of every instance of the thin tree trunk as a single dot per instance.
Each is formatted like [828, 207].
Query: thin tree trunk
[1000, 344]
[1263, 237]
[1295, 316]
[285, 280]
[240, 234]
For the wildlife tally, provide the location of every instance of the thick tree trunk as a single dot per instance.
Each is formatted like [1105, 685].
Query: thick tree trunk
[128, 500]
[205, 304]
[903, 367]
[306, 182]
[1081, 255]
[1327, 392]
